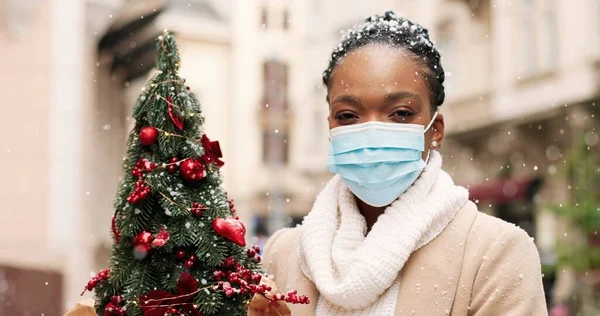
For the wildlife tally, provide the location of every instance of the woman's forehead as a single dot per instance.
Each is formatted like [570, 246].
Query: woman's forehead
[378, 70]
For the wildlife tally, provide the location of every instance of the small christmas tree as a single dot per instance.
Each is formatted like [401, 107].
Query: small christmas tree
[178, 246]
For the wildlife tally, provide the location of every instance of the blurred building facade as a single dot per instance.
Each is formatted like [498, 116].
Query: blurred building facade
[522, 86]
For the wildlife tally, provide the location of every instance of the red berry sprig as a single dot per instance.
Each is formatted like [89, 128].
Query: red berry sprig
[141, 190]
[231, 206]
[189, 263]
[197, 209]
[115, 307]
[102, 275]
[254, 253]
[233, 278]
[180, 254]
[291, 297]
[172, 166]
[172, 311]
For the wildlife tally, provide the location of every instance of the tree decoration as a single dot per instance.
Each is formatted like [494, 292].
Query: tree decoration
[192, 169]
[212, 152]
[231, 229]
[197, 209]
[177, 121]
[113, 226]
[101, 276]
[115, 307]
[141, 190]
[169, 257]
[161, 238]
[142, 242]
[180, 254]
[159, 303]
[148, 135]
[172, 166]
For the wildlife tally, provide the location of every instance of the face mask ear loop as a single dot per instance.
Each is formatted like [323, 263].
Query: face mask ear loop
[426, 129]
[431, 122]
[428, 153]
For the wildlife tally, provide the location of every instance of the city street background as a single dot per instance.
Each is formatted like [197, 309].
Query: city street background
[522, 120]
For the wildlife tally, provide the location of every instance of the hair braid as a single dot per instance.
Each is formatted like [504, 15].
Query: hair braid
[399, 32]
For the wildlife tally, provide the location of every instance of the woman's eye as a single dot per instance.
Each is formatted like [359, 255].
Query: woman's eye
[402, 113]
[346, 117]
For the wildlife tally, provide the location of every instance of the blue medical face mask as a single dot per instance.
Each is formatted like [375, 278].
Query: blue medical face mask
[378, 161]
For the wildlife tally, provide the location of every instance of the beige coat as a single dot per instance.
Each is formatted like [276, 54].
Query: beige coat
[479, 265]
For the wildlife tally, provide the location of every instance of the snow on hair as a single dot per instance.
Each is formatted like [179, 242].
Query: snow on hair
[395, 31]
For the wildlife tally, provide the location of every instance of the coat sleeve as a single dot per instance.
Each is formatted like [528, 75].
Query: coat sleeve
[83, 308]
[269, 255]
[509, 280]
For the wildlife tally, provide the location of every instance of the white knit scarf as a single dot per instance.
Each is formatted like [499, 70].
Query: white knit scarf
[358, 275]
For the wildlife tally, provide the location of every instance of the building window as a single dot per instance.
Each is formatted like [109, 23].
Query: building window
[528, 38]
[275, 121]
[264, 18]
[549, 36]
[447, 45]
[275, 147]
[286, 19]
[275, 82]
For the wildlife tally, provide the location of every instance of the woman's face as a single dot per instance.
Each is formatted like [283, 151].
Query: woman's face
[381, 83]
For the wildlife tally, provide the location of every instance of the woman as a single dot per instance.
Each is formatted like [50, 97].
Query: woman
[391, 234]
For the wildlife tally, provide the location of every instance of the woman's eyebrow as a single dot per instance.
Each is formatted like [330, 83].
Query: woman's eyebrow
[347, 98]
[395, 96]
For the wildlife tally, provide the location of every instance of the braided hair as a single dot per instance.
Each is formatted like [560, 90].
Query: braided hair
[399, 32]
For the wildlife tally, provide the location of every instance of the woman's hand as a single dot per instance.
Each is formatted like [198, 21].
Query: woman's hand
[261, 306]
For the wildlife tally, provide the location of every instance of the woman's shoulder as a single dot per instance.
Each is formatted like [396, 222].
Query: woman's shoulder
[493, 229]
[484, 232]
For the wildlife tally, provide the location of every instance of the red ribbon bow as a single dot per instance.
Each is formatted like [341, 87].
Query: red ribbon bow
[157, 302]
[212, 152]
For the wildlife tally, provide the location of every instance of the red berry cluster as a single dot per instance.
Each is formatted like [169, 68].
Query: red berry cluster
[141, 189]
[115, 307]
[189, 262]
[291, 297]
[172, 311]
[197, 209]
[231, 206]
[172, 166]
[254, 253]
[102, 275]
[244, 281]
[233, 278]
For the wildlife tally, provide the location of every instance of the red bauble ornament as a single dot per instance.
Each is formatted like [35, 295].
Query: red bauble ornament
[117, 300]
[189, 264]
[180, 254]
[148, 135]
[172, 167]
[192, 169]
[197, 209]
[174, 117]
[231, 229]
[143, 242]
[161, 238]
[112, 310]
